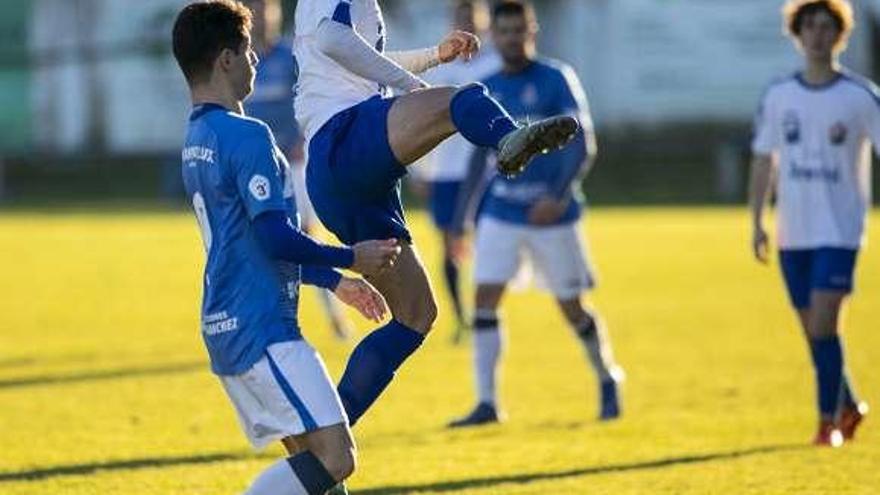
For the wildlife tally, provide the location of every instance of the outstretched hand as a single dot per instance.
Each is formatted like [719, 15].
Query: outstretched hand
[360, 295]
[458, 44]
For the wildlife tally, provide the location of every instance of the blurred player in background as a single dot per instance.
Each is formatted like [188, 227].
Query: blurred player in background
[813, 134]
[239, 184]
[360, 141]
[535, 214]
[448, 164]
[272, 102]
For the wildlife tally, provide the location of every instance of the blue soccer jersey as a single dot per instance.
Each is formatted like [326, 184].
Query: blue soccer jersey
[233, 171]
[544, 89]
[272, 99]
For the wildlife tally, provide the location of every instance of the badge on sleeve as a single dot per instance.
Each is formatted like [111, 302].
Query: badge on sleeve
[260, 188]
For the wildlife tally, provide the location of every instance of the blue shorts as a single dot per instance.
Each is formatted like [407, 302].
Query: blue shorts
[353, 177]
[806, 270]
[444, 199]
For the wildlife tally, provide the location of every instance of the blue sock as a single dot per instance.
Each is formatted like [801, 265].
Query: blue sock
[313, 476]
[479, 117]
[450, 272]
[372, 365]
[828, 362]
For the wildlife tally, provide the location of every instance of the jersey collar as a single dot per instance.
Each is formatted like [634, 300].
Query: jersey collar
[799, 77]
[201, 110]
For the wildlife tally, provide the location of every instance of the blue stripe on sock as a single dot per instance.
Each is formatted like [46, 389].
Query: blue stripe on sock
[307, 419]
[342, 14]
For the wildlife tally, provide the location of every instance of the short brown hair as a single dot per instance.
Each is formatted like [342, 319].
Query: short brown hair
[522, 8]
[796, 11]
[203, 30]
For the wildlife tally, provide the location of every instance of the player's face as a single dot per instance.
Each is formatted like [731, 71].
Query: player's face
[243, 70]
[819, 34]
[266, 19]
[514, 38]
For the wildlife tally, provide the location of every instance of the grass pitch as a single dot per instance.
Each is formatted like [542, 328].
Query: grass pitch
[104, 385]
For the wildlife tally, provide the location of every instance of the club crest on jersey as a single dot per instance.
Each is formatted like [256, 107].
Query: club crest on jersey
[259, 187]
[529, 95]
[791, 127]
[837, 134]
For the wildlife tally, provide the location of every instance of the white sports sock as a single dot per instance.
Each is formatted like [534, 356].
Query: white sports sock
[488, 344]
[598, 349]
[277, 479]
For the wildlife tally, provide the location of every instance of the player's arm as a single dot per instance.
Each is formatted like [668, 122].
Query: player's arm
[762, 176]
[456, 44]
[337, 39]
[759, 193]
[470, 189]
[575, 160]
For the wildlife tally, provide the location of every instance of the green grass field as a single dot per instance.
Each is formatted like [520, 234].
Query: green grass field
[104, 386]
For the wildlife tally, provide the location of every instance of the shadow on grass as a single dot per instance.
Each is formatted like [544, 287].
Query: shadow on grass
[86, 469]
[111, 374]
[132, 464]
[489, 481]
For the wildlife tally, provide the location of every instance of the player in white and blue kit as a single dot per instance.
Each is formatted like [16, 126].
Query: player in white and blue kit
[813, 133]
[240, 187]
[271, 102]
[535, 215]
[359, 142]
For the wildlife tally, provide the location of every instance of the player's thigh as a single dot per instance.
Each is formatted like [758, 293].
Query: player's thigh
[286, 393]
[826, 308]
[560, 256]
[419, 121]
[497, 256]
[408, 291]
[488, 296]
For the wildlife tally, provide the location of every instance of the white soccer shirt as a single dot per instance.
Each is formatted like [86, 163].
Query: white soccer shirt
[449, 161]
[324, 88]
[821, 137]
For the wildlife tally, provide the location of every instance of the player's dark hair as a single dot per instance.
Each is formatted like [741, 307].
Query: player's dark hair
[795, 12]
[523, 8]
[203, 30]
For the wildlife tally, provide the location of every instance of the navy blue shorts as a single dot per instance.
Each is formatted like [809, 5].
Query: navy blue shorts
[444, 199]
[353, 178]
[806, 270]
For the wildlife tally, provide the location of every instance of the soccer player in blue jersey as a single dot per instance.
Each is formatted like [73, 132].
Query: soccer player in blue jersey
[813, 135]
[239, 184]
[360, 140]
[535, 214]
[272, 102]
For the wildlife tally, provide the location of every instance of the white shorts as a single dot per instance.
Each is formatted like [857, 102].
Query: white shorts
[287, 392]
[557, 253]
[307, 216]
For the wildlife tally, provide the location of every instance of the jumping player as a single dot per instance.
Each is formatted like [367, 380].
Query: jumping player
[239, 184]
[359, 141]
[813, 134]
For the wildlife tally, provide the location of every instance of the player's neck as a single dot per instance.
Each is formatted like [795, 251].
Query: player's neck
[204, 94]
[517, 66]
[819, 72]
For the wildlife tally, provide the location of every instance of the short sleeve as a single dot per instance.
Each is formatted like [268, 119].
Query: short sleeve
[573, 99]
[764, 140]
[258, 175]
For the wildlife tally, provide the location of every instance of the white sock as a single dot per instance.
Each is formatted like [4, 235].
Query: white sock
[597, 348]
[488, 343]
[277, 479]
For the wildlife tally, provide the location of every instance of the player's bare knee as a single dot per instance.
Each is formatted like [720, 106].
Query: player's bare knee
[419, 314]
[340, 464]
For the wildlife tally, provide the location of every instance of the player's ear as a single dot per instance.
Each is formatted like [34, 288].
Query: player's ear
[226, 58]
